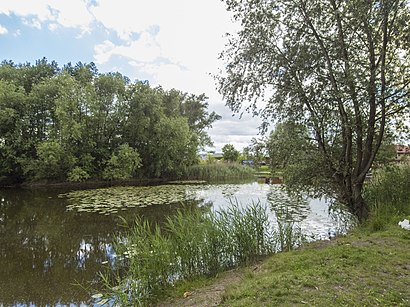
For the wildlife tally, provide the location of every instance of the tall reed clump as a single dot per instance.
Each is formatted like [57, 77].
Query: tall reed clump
[190, 244]
[388, 195]
[219, 171]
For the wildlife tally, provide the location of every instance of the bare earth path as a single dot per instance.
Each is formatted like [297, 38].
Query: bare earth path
[207, 296]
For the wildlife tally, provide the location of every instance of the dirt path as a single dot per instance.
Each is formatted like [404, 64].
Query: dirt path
[207, 296]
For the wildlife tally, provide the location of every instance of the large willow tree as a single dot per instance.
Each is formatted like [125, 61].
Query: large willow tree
[338, 67]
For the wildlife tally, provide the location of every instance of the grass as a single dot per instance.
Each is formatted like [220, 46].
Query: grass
[360, 269]
[388, 195]
[356, 270]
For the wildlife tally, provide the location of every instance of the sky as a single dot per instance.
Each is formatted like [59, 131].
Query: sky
[174, 44]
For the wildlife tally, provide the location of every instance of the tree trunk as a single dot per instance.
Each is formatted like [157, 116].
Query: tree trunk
[357, 204]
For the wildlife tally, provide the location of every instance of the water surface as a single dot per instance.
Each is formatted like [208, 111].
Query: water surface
[52, 256]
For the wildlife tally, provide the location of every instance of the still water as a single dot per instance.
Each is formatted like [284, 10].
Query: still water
[51, 256]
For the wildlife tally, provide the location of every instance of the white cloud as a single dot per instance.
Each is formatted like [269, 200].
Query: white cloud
[136, 16]
[32, 22]
[23, 8]
[103, 52]
[71, 14]
[182, 50]
[3, 30]
[235, 131]
[53, 27]
[143, 50]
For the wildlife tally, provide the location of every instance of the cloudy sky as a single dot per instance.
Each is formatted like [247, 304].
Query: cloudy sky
[174, 44]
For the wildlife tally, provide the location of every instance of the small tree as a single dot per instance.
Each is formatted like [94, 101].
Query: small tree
[122, 164]
[259, 150]
[52, 163]
[230, 153]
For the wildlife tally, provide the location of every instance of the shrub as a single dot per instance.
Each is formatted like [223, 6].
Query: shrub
[122, 164]
[77, 174]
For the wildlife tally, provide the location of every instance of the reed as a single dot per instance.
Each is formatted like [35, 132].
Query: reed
[388, 195]
[190, 244]
[218, 171]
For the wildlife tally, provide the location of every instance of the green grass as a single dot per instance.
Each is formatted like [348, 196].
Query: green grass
[388, 195]
[357, 270]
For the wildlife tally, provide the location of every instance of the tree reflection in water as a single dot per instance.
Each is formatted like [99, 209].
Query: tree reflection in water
[47, 252]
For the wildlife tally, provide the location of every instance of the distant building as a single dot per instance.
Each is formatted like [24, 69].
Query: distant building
[402, 153]
[248, 162]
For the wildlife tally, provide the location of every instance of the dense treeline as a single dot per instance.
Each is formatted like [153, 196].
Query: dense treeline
[73, 123]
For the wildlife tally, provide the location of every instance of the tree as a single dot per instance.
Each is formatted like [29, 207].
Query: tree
[194, 108]
[72, 122]
[122, 164]
[173, 147]
[258, 150]
[52, 162]
[287, 144]
[339, 68]
[13, 142]
[230, 153]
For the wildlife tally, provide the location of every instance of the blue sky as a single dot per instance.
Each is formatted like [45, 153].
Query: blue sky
[174, 44]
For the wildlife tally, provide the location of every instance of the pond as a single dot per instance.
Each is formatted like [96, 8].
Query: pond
[53, 242]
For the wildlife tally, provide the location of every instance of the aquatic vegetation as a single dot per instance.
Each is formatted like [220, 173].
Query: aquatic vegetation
[219, 171]
[388, 195]
[114, 199]
[190, 244]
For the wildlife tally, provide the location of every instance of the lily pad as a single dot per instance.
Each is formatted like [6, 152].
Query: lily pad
[111, 200]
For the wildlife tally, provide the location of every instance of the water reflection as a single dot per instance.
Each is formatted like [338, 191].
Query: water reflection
[310, 215]
[47, 252]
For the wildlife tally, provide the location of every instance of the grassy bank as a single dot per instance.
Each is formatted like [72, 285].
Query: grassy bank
[363, 268]
[357, 270]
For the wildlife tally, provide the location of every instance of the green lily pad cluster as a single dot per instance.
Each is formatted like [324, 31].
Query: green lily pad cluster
[114, 199]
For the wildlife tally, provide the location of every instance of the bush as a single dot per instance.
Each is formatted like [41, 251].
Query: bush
[77, 174]
[218, 171]
[122, 164]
